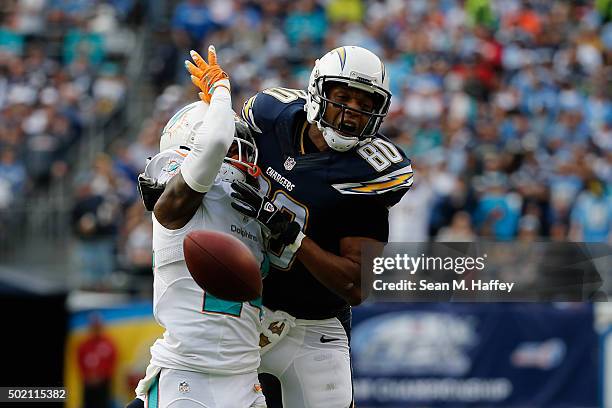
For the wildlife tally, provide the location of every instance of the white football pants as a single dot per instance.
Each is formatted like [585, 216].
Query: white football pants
[313, 365]
[188, 389]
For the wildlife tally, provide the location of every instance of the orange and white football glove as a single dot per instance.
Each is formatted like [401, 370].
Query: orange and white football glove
[207, 76]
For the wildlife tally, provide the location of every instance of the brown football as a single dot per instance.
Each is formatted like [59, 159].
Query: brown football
[222, 265]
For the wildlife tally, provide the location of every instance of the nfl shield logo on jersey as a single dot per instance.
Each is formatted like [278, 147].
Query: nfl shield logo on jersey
[289, 163]
[184, 387]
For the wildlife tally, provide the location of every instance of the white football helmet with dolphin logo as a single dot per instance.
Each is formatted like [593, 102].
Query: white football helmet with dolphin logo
[180, 131]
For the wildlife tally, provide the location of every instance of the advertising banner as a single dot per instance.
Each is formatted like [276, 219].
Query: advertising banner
[475, 355]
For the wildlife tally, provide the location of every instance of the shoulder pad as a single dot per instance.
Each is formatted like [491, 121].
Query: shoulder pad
[261, 110]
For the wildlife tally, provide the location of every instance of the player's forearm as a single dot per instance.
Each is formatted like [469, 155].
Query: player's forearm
[342, 275]
[211, 143]
[177, 204]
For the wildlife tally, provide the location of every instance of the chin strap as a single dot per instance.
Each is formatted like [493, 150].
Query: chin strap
[365, 141]
[337, 141]
[230, 173]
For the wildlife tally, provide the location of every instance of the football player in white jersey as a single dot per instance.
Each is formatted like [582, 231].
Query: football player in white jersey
[209, 353]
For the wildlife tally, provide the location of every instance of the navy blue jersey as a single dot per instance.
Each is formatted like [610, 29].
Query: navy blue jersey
[330, 194]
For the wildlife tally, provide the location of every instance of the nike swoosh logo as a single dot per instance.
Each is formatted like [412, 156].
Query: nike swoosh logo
[324, 339]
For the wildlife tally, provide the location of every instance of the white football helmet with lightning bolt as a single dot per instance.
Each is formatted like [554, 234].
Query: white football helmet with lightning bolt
[358, 68]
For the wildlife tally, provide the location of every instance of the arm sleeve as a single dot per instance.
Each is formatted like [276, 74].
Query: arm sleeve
[211, 143]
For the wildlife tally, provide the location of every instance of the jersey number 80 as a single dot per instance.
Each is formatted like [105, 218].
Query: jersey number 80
[380, 154]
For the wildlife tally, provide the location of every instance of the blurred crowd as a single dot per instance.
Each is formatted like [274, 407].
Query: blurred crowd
[61, 66]
[504, 106]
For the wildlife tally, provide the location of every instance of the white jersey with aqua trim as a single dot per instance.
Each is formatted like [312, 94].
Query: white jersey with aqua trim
[203, 333]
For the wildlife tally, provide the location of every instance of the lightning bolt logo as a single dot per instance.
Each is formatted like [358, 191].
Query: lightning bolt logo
[342, 55]
[380, 185]
[247, 113]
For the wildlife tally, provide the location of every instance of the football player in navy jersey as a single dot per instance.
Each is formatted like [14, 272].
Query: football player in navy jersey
[328, 180]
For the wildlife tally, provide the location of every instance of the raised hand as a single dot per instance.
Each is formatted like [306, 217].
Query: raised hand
[207, 76]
